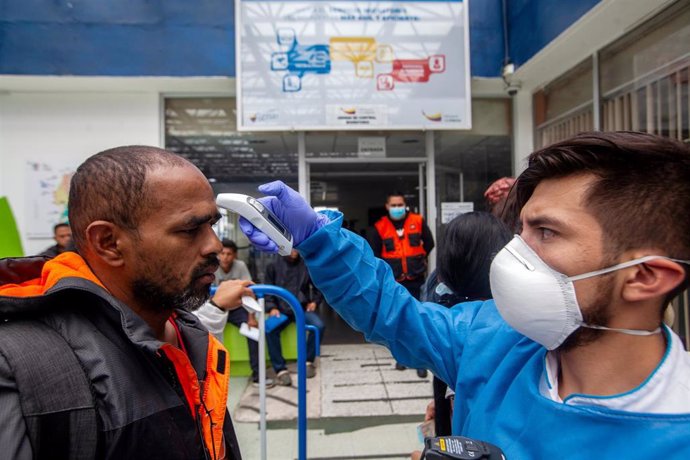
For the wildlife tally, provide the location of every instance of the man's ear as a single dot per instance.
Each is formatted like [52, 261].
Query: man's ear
[654, 278]
[104, 240]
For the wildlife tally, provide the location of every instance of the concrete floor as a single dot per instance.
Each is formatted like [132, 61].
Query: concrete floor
[359, 407]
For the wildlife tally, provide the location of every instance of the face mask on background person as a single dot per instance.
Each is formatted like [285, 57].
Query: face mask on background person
[397, 213]
[539, 302]
[441, 290]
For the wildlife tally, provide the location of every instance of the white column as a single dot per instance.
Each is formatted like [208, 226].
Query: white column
[431, 191]
[523, 130]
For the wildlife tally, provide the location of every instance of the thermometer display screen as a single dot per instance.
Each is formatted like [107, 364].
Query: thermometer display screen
[276, 223]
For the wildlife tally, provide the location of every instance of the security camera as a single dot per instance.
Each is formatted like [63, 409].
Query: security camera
[512, 87]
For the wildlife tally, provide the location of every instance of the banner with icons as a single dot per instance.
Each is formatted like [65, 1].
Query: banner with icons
[343, 65]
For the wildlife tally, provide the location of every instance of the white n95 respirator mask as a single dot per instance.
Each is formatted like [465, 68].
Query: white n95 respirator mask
[539, 302]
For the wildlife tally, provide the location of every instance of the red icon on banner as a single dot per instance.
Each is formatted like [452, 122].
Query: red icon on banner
[385, 82]
[437, 63]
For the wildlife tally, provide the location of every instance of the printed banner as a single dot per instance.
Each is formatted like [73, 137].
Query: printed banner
[317, 65]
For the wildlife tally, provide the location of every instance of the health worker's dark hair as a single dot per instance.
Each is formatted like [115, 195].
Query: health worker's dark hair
[641, 195]
[469, 245]
[111, 186]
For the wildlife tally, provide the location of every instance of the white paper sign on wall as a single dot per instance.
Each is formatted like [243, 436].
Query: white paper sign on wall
[452, 209]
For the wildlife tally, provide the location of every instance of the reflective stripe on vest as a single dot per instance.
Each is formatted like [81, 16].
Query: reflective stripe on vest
[402, 248]
[210, 407]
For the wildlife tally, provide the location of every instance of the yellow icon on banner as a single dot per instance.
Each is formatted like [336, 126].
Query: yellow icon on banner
[354, 49]
[384, 53]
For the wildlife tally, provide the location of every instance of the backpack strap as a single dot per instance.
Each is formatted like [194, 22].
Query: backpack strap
[54, 391]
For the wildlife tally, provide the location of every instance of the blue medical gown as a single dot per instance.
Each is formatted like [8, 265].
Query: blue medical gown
[494, 370]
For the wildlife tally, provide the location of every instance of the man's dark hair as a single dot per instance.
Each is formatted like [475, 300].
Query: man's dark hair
[111, 186]
[641, 196]
[61, 224]
[229, 244]
[469, 245]
[395, 193]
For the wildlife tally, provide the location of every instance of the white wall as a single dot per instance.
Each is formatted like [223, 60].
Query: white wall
[68, 126]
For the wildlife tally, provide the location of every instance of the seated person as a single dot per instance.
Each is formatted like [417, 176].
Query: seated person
[231, 268]
[225, 307]
[289, 272]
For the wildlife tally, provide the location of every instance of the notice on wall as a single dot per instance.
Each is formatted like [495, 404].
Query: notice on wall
[344, 65]
[451, 209]
[47, 191]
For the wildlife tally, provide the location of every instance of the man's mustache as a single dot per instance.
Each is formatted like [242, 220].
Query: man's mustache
[211, 262]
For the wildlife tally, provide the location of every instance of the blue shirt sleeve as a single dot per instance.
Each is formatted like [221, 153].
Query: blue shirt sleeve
[361, 288]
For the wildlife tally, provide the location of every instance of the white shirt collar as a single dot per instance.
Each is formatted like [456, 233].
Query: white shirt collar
[665, 391]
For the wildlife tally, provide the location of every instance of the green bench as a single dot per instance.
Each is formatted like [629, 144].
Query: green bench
[236, 344]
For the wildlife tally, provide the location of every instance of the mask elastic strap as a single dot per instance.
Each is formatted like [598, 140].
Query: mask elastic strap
[627, 264]
[624, 331]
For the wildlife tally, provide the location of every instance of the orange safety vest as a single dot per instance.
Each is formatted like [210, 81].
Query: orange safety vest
[405, 254]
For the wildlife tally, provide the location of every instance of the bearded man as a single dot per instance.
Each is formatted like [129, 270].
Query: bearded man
[141, 219]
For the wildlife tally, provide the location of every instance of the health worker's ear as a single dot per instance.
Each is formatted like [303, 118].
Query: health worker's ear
[652, 279]
[105, 240]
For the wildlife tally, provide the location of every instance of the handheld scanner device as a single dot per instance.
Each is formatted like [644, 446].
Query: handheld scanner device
[460, 448]
[260, 216]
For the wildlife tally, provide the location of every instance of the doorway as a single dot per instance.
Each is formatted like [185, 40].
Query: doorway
[344, 174]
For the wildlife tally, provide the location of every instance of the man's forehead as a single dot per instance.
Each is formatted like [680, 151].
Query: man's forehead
[561, 198]
[180, 191]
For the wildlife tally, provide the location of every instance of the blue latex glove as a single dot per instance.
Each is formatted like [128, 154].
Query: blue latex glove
[292, 210]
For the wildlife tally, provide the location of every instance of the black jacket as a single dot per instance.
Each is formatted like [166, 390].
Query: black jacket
[142, 410]
[294, 277]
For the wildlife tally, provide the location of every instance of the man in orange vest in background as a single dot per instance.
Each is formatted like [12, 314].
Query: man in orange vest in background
[403, 239]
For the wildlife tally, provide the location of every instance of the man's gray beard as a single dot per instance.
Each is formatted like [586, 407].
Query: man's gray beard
[160, 300]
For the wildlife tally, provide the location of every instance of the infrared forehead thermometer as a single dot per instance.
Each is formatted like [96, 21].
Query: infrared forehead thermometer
[260, 216]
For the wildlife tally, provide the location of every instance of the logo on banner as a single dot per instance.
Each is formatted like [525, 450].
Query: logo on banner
[263, 117]
[435, 117]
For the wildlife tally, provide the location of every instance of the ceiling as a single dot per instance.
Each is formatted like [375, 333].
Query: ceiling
[203, 130]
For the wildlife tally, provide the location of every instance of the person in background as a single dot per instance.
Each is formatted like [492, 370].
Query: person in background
[500, 200]
[142, 221]
[289, 272]
[231, 268]
[464, 256]
[62, 234]
[223, 308]
[403, 239]
[570, 359]
[215, 310]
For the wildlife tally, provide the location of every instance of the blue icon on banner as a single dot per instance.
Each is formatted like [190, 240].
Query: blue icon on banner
[309, 59]
[298, 60]
[292, 83]
[279, 61]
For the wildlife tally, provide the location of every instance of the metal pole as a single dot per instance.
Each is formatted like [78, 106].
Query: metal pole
[422, 194]
[462, 186]
[262, 376]
[267, 289]
[302, 172]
